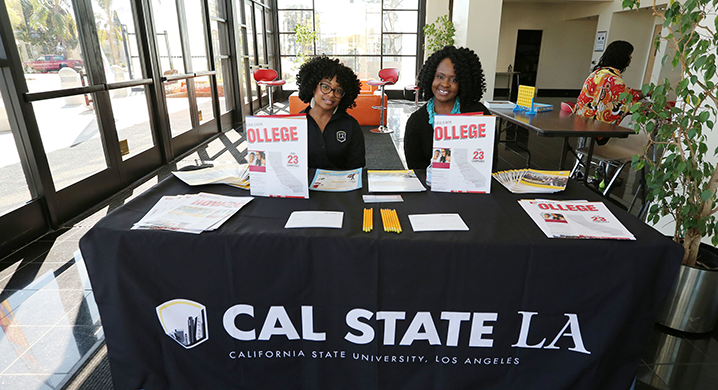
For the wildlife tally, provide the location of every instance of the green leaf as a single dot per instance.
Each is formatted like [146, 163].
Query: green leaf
[703, 117]
[701, 60]
[707, 194]
[650, 126]
[683, 84]
[710, 71]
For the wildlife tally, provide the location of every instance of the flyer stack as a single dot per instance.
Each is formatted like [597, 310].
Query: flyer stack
[523, 181]
[194, 213]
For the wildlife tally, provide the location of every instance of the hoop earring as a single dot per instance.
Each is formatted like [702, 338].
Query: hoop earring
[311, 103]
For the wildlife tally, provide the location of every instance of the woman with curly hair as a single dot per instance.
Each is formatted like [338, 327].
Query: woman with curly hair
[335, 139]
[453, 82]
[600, 96]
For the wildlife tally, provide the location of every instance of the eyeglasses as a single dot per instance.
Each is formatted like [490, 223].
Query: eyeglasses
[327, 89]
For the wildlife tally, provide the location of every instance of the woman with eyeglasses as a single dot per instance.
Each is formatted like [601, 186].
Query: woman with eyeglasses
[335, 141]
[453, 82]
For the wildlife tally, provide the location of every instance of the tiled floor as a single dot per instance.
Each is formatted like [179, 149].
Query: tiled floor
[50, 323]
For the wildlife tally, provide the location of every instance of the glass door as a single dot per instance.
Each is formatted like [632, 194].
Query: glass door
[258, 44]
[189, 85]
[78, 83]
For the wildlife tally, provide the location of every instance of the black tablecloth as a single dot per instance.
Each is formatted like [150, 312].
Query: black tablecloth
[527, 312]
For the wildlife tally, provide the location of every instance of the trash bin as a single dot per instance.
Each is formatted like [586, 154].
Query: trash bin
[119, 76]
[71, 79]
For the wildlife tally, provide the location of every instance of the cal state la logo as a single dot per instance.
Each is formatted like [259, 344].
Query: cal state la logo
[184, 321]
[341, 136]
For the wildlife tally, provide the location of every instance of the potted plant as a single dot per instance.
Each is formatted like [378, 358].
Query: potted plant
[439, 34]
[681, 178]
[305, 38]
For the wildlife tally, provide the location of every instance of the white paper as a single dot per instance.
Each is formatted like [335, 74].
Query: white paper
[315, 219]
[437, 222]
[499, 104]
[464, 151]
[394, 181]
[277, 149]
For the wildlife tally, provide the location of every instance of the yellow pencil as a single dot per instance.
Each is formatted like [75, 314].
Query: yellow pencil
[371, 219]
[393, 221]
[383, 219]
[363, 226]
[396, 221]
[368, 224]
[368, 220]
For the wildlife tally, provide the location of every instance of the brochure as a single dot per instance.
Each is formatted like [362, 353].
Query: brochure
[394, 181]
[575, 219]
[336, 181]
[520, 181]
[236, 175]
[194, 213]
[277, 152]
[463, 153]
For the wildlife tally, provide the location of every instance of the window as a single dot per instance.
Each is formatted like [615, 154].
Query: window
[380, 34]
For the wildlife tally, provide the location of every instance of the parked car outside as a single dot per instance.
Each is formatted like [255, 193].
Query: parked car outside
[50, 62]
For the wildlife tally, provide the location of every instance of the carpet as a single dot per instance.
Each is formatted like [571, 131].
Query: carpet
[380, 150]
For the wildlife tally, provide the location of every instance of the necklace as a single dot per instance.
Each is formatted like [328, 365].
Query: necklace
[430, 108]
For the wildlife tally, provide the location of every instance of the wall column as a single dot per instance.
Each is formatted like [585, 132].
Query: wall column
[477, 27]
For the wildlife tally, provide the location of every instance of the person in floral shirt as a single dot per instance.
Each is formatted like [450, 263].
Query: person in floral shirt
[600, 96]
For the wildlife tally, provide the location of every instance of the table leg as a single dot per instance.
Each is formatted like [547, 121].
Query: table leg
[564, 153]
[589, 156]
[497, 135]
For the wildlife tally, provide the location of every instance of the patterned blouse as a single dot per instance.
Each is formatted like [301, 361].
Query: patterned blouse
[599, 97]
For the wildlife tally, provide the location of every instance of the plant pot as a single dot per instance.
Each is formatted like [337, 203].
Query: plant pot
[691, 304]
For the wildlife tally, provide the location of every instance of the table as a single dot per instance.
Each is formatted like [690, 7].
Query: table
[498, 307]
[559, 123]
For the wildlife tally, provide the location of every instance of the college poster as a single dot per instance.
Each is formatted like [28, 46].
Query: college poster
[463, 152]
[277, 155]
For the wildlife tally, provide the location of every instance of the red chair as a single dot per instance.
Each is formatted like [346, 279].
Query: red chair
[388, 76]
[267, 77]
[414, 88]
